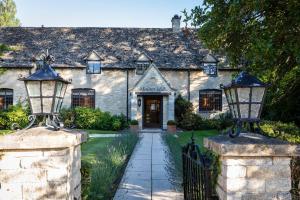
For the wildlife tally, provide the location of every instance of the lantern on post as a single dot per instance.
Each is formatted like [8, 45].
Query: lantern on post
[245, 96]
[45, 90]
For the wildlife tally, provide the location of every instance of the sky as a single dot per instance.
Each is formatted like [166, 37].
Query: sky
[101, 13]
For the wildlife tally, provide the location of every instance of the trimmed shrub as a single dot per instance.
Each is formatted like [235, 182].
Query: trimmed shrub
[88, 118]
[171, 122]
[134, 122]
[182, 107]
[15, 114]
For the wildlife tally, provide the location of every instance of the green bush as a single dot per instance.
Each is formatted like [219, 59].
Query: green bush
[182, 107]
[68, 117]
[134, 122]
[14, 114]
[88, 118]
[284, 131]
[171, 122]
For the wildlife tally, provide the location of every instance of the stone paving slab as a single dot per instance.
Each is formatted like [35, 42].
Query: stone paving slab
[146, 175]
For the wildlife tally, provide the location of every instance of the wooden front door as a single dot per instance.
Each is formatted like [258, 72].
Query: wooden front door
[152, 112]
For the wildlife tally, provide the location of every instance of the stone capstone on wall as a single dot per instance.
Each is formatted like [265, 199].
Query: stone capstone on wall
[253, 167]
[41, 164]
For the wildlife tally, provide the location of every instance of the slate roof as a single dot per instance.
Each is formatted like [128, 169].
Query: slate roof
[117, 47]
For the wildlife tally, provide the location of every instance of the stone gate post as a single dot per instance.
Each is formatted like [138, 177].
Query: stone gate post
[253, 167]
[39, 163]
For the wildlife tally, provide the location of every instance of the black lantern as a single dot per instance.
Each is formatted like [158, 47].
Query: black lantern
[139, 102]
[46, 90]
[245, 96]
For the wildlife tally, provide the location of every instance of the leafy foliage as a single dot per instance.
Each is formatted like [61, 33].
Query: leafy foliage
[14, 114]
[134, 122]
[188, 120]
[87, 118]
[285, 131]
[264, 36]
[8, 12]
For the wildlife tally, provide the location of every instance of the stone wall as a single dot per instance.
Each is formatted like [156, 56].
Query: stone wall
[41, 164]
[200, 81]
[110, 86]
[10, 80]
[253, 167]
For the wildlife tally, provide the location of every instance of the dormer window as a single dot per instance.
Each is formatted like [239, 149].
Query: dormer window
[210, 69]
[142, 64]
[93, 67]
[93, 61]
[141, 67]
[210, 65]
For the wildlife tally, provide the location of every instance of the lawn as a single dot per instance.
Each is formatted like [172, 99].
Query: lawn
[94, 145]
[175, 144]
[103, 162]
[185, 137]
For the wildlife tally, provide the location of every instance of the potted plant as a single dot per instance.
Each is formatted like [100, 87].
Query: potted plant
[134, 126]
[171, 126]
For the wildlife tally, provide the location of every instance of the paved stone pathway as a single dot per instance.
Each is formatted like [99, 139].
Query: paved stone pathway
[146, 175]
[95, 135]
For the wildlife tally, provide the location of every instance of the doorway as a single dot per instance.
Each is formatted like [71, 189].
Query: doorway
[152, 112]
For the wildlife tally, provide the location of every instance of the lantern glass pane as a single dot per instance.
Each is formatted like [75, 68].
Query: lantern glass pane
[60, 101]
[255, 110]
[47, 105]
[48, 88]
[257, 94]
[244, 94]
[63, 91]
[36, 105]
[233, 96]
[59, 86]
[33, 88]
[55, 104]
[232, 111]
[228, 97]
[235, 109]
[244, 109]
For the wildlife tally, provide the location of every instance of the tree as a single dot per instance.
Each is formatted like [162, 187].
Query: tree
[264, 36]
[8, 12]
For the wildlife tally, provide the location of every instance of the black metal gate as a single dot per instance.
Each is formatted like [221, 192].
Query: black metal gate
[197, 174]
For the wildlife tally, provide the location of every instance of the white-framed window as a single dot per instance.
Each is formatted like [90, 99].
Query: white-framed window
[210, 69]
[93, 67]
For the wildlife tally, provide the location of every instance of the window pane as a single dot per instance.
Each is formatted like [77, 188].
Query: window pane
[33, 88]
[210, 100]
[6, 98]
[244, 94]
[48, 88]
[94, 67]
[257, 94]
[83, 98]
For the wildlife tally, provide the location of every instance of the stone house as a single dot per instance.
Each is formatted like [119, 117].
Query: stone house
[134, 71]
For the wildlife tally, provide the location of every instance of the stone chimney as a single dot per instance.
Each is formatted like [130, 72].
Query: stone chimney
[176, 23]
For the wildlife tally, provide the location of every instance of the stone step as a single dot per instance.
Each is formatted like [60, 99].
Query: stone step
[151, 130]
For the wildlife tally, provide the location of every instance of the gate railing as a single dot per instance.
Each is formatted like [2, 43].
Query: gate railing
[197, 174]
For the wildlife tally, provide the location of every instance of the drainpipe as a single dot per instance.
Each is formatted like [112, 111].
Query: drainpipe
[189, 83]
[127, 105]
